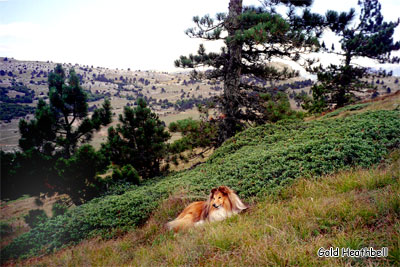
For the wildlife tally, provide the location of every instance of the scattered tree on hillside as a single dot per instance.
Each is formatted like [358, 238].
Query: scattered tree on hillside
[63, 124]
[76, 176]
[277, 107]
[195, 133]
[252, 36]
[139, 140]
[371, 37]
[53, 159]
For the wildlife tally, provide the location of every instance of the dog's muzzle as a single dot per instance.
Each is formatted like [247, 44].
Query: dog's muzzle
[215, 206]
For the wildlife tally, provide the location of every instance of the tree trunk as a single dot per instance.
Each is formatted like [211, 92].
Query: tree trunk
[348, 59]
[344, 88]
[232, 74]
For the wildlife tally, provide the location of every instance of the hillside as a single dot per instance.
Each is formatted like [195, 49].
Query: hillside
[355, 209]
[257, 163]
[160, 89]
[172, 96]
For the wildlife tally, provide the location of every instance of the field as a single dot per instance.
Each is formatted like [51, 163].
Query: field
[356, 209]
[257, 163]
[332, 180]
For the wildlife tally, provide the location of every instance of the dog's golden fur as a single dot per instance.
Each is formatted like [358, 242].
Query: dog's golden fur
[221, 204]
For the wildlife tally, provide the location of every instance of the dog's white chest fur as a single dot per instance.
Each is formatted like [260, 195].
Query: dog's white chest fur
[219, 215]
[216, 215]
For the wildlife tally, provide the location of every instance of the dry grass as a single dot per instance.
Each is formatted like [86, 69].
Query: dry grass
[191, 159]
[356, 209]
[13, 212]
[386, 102]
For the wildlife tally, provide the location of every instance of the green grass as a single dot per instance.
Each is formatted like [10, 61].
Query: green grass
[255, 163]
[286, 228]
[346, 108]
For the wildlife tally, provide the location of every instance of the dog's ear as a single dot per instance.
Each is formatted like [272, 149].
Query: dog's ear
[213, 191]
[206, 207]
[237, 204]
[211, 194]
[224, 190]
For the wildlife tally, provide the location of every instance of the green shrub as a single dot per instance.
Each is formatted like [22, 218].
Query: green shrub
[118, 187]
[59, 208]
[318, 102]
[195, 133]
[254, 162]
[5, 229]
[35, 217]
[346, 108]
[277, 107]
[126, 173]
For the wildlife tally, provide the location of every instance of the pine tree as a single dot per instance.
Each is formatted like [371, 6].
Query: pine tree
[371, 37]
[64, 123]
[252, 37]
[139, 140]
[54, 157]
[77, 175]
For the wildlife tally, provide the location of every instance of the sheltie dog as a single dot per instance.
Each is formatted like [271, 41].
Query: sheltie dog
[221, 204]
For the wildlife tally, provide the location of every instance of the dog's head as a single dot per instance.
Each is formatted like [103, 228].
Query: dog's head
[219, 197]
[224, 197]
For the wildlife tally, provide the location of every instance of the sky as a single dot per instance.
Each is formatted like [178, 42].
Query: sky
[140, 35]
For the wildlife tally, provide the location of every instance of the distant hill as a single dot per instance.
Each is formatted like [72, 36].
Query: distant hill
[171, 95]
[395, 68]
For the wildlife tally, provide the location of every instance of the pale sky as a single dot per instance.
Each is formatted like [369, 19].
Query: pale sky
[119, 34]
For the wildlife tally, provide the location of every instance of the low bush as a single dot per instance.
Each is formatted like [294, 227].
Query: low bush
[277, 107]
[59, 208]
[5, 229]
[126, 173]
[254, 162]
[35, 217]
[346, 108]
[9, 111]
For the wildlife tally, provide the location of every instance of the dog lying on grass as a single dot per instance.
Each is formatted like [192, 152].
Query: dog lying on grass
[221, 204]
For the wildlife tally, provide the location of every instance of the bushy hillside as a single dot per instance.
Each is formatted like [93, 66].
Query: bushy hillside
[355, 209]
[255, 162]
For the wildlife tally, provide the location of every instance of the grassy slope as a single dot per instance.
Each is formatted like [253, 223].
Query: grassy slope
[356, 209]
[248, 163]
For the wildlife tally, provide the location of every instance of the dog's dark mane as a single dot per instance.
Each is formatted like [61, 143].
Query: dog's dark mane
[234, 201]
